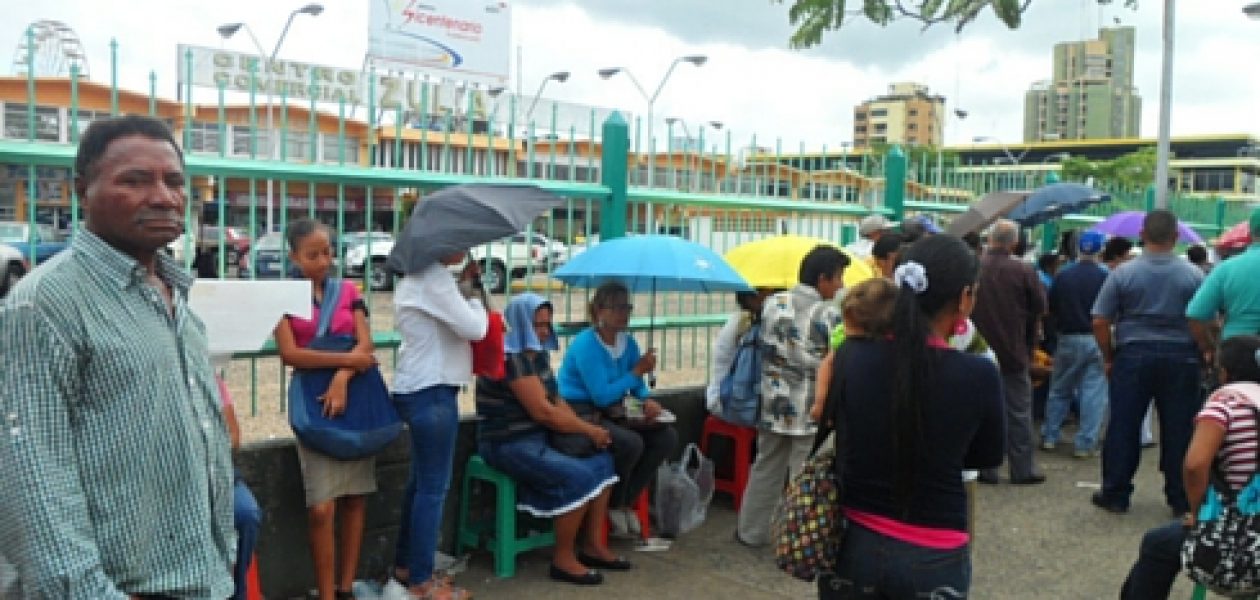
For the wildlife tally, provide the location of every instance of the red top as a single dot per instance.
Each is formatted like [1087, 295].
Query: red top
[342, 321]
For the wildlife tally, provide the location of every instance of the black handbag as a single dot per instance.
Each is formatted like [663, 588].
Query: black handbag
[578, 445]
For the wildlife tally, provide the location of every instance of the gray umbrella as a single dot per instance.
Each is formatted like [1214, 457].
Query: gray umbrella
[457, 218]
[984, 211]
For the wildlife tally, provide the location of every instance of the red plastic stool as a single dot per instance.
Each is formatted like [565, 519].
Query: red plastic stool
[642, 508]
[253, 591]
[742, 438]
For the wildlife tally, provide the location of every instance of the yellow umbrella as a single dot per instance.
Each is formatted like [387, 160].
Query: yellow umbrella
[775, 262]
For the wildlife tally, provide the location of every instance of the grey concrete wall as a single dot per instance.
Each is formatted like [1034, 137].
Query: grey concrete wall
[272, 472]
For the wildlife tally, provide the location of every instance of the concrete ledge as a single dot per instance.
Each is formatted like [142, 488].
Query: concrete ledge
[271, 469]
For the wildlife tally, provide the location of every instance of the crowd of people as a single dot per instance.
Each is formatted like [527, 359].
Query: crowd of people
[118, 438]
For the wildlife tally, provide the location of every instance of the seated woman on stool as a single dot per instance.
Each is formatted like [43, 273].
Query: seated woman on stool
[517, 413]
[602, 366]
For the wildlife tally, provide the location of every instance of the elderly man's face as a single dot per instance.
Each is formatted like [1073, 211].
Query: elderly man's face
[134, 196]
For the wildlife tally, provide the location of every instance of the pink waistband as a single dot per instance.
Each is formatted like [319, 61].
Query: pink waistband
[927, 537]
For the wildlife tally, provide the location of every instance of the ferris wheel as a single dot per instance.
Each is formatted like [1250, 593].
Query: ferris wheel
[56, 48]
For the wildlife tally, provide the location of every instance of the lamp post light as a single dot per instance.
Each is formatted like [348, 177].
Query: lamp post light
[558, 77]
[227, 30]
[695, 59]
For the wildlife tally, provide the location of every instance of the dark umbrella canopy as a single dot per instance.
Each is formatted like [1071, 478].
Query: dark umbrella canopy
[985, 211]
[457, 218]
[1055, 200]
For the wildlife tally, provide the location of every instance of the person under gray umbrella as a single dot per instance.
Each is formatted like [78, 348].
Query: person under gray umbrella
[437, 316]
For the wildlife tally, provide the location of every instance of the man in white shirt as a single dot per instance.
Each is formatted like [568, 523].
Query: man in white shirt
[438, 317]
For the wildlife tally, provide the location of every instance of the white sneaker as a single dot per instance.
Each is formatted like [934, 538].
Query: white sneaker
[393, 590]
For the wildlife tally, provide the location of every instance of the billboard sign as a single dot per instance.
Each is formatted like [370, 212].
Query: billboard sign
[466, 40]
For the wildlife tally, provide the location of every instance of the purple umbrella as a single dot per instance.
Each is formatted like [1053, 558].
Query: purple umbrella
[1129, 224]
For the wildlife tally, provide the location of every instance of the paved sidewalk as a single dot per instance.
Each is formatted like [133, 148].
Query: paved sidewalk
[1043, 541]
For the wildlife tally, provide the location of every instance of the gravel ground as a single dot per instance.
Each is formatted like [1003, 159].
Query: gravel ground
[1032, 542]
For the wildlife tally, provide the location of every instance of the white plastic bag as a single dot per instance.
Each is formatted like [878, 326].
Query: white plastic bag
[683, 492]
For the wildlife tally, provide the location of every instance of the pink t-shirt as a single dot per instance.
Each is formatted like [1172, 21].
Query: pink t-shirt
[342, 321]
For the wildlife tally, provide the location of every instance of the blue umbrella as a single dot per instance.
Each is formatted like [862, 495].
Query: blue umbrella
[651, 263]
[1055, 200]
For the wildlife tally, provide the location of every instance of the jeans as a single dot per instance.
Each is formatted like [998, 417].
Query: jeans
[247, 517]
[432, 416]
[636, 455]
[1159, 560]
[874, 566]
[1169, 373]
[1078, 365]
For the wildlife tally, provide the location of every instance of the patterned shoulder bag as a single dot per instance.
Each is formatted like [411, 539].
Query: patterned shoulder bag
[1222, 552]
[808, 524]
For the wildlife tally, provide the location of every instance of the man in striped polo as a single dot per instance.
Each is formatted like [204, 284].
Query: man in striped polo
[117, 472]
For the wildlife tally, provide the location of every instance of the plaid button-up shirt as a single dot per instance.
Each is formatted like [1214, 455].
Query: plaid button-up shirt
[115, 460]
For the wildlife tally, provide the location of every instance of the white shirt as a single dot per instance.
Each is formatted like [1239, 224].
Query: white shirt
[724, 349]
[861, 248]
[436, 323]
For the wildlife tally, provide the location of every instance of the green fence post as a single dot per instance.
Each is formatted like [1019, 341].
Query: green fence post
[1220, 215]
[1149, 198]
[612, 214]
[895, 182]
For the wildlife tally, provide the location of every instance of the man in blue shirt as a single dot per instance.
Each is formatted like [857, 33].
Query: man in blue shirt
[1232, 288]
[1078, 364]
[1153, 356]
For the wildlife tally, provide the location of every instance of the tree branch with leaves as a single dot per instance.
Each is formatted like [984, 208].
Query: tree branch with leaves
[813, 18]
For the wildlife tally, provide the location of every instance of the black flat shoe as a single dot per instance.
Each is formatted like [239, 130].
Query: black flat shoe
[591, 577]
[1101, 501]
[988, 478]
[616, 564]
[1030, 480]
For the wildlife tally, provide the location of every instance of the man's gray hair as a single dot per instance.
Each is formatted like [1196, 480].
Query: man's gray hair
[1005, 233]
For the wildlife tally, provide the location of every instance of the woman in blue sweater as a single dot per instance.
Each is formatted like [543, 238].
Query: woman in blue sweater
[602, 366]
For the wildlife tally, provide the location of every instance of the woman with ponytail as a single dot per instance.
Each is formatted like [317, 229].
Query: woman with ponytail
[916, 413]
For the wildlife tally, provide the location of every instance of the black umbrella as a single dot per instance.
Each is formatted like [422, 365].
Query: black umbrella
[985, 211]
[457, 218]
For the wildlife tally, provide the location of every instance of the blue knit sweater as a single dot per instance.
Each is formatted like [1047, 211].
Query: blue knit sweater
[589, 373]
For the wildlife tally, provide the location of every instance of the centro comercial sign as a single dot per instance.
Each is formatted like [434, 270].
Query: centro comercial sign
[233, 71]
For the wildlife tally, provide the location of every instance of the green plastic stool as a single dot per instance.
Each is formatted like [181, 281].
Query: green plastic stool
[501, 540]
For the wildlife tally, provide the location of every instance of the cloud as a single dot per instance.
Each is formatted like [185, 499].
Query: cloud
[752, 83]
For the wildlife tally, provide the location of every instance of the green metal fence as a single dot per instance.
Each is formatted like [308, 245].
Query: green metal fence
[362, 177]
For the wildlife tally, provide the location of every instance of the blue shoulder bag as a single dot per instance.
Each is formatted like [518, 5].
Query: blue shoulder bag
[369, 422]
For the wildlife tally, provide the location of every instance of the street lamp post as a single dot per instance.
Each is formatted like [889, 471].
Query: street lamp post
[558, 77]
[694, 151]
[1163, 147]
[230, 29]
[697, 59]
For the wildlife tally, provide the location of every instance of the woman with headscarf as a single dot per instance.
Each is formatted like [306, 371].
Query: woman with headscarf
[519, 414]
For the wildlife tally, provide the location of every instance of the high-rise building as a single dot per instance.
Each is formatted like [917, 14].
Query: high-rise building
[1091, 95]
[907, 114]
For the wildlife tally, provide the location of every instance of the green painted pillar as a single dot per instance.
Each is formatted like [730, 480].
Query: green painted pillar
[1052, 178]
[616, 147]
[895, 182]
[1220, 215]
[1149, 198]
[1049, 236]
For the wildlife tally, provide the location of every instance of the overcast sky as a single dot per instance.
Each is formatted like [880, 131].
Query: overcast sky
[752, 82]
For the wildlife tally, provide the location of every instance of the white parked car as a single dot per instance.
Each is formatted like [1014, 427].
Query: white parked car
[498, 259]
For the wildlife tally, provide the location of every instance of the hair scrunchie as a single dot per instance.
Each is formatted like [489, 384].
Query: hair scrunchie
[912, 275]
